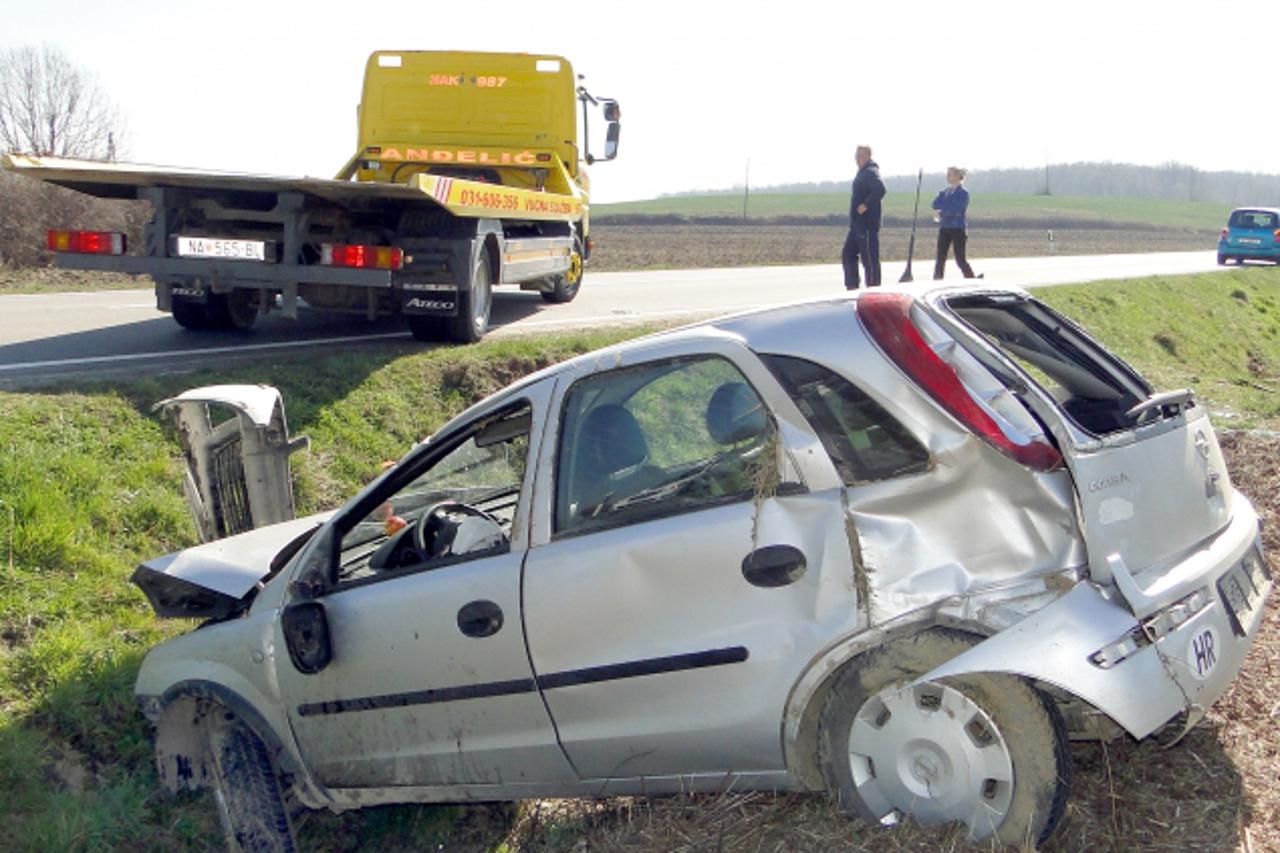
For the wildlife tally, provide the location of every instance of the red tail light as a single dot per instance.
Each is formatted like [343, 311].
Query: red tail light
[1276, 236]
[1225, 232]
[887, 319]
[361, 257]
[87, 242]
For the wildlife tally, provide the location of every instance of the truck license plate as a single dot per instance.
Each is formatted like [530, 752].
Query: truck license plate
[1243, 588]
[214, 247]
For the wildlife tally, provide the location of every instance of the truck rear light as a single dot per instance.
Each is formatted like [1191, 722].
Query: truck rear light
[87, 242]
[361, 257]
[887, 319]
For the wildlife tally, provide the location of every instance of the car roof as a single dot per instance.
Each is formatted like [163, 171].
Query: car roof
[1275, 210]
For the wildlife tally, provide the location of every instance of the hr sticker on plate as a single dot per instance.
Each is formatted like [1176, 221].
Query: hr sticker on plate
[1202, 653]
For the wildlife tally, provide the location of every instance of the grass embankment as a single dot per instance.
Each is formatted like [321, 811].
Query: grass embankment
[89, 480]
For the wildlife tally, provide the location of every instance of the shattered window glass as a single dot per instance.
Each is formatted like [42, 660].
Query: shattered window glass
[659, 439]
[863, 440]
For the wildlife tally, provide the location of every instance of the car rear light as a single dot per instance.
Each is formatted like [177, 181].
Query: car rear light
[1225, 232]
[361, 257]
[87, 242]
[1276, 236]
[887, 319]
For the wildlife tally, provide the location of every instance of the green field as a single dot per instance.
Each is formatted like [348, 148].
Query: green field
[1035, 210]
[90, 485]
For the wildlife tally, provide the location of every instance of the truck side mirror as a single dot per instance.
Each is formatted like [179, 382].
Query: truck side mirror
[306, 634]
[612, 112]
[611, 140]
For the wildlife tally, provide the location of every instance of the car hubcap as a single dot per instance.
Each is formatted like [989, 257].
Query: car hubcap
[931, 752]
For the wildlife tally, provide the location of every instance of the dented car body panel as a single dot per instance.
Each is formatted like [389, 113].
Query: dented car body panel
[643, 570]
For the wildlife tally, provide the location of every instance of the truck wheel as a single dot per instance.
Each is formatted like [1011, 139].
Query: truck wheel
[565, 287]
[426, 329]
[235, 311]
[190, 315]
[988, 751]
[474, 306]
[246, 786]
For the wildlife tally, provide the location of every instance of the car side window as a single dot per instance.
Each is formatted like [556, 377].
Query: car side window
[864, 441]
[462, 505]
[658, 439]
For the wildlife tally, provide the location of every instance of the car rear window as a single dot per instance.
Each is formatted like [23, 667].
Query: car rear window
[1254, 219]
[864, 441]
[1095, 388]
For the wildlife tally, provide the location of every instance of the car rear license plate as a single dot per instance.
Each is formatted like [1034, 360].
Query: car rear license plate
[216, 247]
[1243, 588]
[1250, 241]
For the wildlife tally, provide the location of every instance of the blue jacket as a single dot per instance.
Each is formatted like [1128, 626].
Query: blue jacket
[868, 189]
[952, 204]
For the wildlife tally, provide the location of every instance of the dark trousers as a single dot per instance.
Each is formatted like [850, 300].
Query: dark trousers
[952, 237]
[864, 246]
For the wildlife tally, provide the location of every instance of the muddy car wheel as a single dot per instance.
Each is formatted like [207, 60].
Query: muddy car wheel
[988, 751]
[246, 787]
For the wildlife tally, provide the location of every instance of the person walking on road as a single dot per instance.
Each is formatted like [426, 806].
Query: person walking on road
[863, 242]
[950, 207]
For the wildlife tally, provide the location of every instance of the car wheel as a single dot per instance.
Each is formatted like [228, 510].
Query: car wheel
[1222, 260]
[246, 787]
[988, 751]
[474, 306]
[235, 311]
[565, 287]
[190, 315]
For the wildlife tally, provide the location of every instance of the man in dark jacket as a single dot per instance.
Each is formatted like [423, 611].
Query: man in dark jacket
[864, 222]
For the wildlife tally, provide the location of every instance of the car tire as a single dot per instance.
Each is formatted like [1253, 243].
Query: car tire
[566, 286]
[474, 305]
[246, 786]
[235, 311]
[190, 315]
[989, 751]
[1222, 260]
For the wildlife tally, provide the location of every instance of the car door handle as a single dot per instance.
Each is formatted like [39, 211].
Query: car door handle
[480, 619]
[774, 565]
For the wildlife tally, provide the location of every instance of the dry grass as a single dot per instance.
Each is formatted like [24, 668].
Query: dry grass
[1216, 790]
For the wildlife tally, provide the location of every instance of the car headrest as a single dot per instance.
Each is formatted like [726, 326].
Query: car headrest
[735, 413]
[610, 441]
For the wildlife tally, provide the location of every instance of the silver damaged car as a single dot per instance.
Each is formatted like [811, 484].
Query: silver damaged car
[898, 546]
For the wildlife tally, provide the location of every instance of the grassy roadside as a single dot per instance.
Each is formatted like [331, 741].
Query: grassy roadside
[89, 480]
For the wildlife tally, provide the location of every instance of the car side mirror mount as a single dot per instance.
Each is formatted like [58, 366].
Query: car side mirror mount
[306, 634]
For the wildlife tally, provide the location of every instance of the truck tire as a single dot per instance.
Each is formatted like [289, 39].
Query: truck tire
[246, 786]
[235, 311]
[426, 329]
[565, 287]
[474, 305]
[988, 751]
[190, 315]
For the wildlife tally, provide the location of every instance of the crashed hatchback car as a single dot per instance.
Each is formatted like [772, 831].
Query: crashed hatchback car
[899, 546]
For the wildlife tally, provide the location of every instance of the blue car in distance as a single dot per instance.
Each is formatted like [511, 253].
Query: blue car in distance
[1252, 233]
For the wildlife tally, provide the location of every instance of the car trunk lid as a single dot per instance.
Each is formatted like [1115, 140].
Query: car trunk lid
[1149, 474]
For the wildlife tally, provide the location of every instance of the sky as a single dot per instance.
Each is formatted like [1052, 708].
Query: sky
[708, 89]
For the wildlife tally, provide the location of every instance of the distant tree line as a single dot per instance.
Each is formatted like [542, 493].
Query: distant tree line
[1171, 181]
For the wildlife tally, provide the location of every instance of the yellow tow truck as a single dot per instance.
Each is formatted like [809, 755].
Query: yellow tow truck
[469, 172]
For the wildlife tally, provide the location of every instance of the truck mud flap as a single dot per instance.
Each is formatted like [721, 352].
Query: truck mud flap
[430, 300]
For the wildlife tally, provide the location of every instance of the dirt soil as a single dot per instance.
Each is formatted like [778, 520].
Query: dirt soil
[624, 247]
[1216, 790]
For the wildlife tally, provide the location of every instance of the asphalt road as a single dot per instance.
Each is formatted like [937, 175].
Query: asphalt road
[55, 336]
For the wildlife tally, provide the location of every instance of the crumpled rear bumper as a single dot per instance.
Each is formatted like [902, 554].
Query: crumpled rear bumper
[1183, 669]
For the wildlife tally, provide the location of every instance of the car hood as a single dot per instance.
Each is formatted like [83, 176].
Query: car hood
[218, 578]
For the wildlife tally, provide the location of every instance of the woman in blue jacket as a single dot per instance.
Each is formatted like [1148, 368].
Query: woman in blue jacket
[951, 205]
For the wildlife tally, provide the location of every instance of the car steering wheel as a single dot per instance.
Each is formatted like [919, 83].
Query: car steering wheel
[434, 534]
